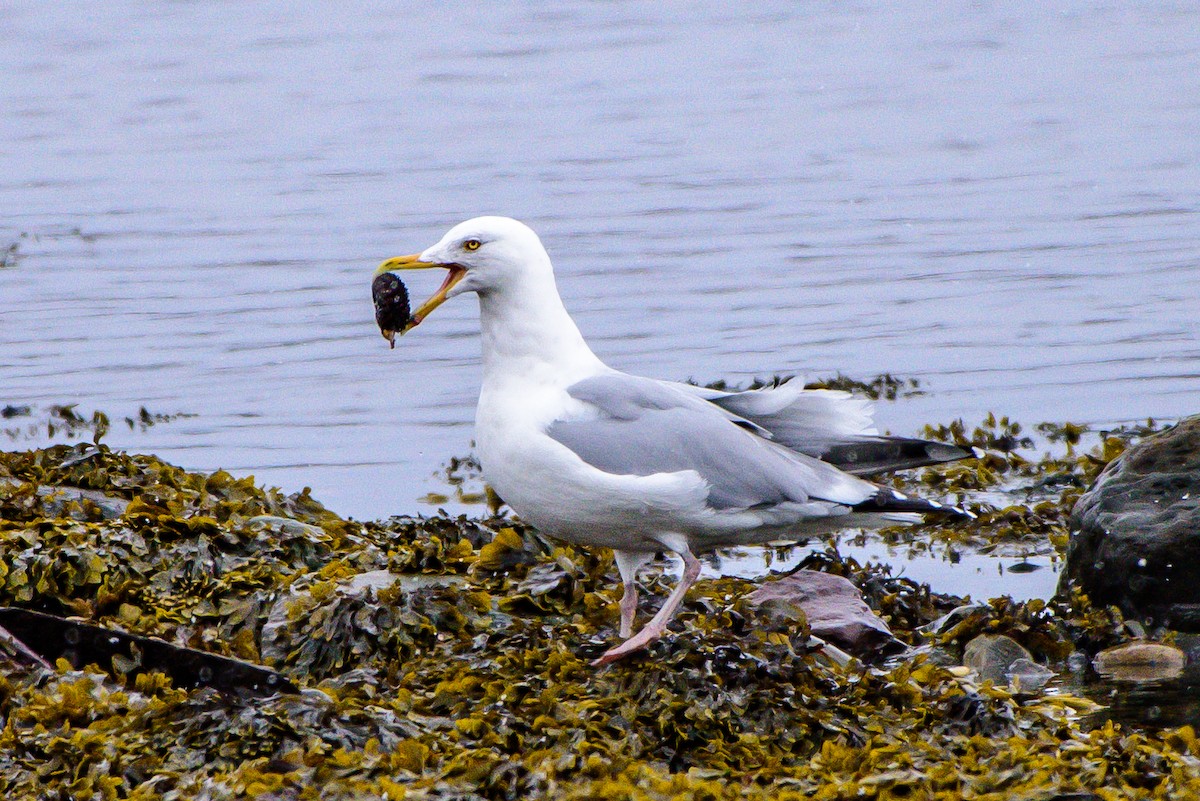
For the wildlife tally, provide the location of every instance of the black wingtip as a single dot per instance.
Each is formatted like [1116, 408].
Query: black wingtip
[869, 455]
[888, 500]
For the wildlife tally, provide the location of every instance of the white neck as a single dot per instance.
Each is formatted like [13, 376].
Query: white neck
[528, 333]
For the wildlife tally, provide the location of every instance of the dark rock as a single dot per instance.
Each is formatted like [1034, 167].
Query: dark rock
[1135, 535]
[833, 607]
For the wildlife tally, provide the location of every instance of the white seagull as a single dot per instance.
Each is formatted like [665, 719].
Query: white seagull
[598, 457]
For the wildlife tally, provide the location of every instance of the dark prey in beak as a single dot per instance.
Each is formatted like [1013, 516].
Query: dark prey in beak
[391, 305]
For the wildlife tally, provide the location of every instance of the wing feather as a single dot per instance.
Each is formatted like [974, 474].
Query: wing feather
[638, 426]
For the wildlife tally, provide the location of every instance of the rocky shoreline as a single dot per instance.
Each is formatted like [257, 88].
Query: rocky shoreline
[448, 658]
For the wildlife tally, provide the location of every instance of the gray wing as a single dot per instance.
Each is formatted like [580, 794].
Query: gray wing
[638, 426]
[830, 425]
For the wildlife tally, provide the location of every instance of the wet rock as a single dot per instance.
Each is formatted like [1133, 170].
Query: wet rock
[1077, 662]
[1140, 661]
[1135, 535]
[833, 607]
[49, 638]
[1027, 676]
[992, 656]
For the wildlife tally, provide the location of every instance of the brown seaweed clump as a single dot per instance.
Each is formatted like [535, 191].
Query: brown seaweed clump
[448, 658]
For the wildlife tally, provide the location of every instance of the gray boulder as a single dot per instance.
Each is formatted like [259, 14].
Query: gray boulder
[1135, 535]
[1002, 660]
[991, 655]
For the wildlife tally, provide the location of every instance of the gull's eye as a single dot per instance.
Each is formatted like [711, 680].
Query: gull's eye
[472, 244]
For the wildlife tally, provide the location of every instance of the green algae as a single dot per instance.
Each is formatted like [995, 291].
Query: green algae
[449, 658]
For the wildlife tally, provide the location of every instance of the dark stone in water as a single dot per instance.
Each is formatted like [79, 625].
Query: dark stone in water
[1135, 535]
[391, 305]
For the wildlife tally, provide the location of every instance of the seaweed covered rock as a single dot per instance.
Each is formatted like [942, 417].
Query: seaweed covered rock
[1135, 535]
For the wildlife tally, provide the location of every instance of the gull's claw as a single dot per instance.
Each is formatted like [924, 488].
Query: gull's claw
[636, 643]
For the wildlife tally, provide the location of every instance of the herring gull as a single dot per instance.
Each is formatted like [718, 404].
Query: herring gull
[598, 457]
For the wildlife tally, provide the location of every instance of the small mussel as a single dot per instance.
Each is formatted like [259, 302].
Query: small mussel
[391, 305]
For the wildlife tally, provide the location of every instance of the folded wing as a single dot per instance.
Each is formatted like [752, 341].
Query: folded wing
[638, 426]
[830, 425]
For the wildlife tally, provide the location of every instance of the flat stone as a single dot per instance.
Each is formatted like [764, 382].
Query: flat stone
[833, 607]
[1135, 534]
[1140, 661]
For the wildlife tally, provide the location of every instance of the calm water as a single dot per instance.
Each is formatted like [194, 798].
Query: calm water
[1001, 201]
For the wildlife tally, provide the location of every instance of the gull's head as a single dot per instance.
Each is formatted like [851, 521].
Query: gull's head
[480, 255]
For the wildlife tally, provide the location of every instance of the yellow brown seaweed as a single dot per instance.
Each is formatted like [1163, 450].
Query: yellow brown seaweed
[447, 658]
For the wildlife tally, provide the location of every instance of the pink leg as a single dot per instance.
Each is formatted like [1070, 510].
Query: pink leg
[628, 564]
[628, 608]
[658, 624]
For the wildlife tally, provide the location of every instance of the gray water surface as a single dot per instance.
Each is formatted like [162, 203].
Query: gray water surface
[1000, 200]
